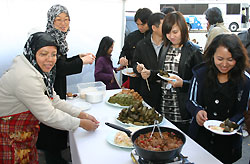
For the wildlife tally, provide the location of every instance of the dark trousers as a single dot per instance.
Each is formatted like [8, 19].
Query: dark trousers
[54, 157]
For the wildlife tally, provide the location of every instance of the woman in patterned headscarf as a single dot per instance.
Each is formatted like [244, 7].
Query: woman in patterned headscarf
[27, 98]
[58, 27]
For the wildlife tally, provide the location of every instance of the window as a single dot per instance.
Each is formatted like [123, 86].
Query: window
[189, 9]
[233, 8]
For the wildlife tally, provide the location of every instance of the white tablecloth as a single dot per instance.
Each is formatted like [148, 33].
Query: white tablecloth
[93, 148]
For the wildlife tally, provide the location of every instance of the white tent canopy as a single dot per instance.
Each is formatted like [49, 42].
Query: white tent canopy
[90, 21]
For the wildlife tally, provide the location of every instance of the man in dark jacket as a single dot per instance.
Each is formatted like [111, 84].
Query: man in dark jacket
[141, 19]
[147, 54]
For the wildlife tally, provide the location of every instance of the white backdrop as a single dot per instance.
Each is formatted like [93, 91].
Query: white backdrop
[90, 21]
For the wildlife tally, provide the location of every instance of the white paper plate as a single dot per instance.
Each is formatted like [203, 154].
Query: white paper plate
[166, 78]
[128, 72]
[82, 104]
[209, 123]
[110, 139]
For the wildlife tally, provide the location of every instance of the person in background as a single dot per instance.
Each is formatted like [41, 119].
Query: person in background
[27, 97]
[245, 38]
[104, 70]
[180, 57]
[52, 140]
[220, 90]
[126, 56]
[147, 54]
[167, 9]
[215, 24]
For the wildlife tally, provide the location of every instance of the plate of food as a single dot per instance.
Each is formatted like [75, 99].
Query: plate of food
[128, 72]
[138, 124]
[70, 95]
[165, 76]
[115, 104]
[226, 127]
[124, 99]
[121, 139]
[139, 115]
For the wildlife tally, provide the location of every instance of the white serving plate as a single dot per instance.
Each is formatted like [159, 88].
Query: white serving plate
[111, 137]
[80, 103]
[166, 78]
[128, 72]
[115, 105]
[217, 123]
[132, 125]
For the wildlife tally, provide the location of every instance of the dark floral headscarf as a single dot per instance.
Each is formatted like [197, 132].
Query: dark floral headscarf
[33, 44]
[60, 36]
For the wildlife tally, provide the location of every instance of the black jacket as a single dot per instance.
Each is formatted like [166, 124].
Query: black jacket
[191, 56]
[128, 51]
[130, 44]
[49, 138]
[64, 67]
[145, 54]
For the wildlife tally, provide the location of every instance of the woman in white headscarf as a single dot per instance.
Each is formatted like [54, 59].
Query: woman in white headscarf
[27, 97]
[51, 140]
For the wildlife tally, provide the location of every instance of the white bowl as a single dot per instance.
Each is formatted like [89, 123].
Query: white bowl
[94, 97]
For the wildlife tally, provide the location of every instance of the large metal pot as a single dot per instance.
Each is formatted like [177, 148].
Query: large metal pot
[153, 156]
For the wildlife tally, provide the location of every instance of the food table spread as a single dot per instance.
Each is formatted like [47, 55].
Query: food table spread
[94, 148]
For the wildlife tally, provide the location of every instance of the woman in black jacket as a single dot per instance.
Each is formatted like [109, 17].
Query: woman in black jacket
[51, 140]
[180, 56]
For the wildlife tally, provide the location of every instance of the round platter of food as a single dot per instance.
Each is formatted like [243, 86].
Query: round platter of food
[139, 115]
[124, 99]
[121, 139]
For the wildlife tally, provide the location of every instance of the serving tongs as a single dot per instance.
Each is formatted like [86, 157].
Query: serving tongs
[156, 122]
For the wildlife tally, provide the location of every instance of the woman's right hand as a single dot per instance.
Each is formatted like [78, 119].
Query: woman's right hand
[201, 117]
[88, 125]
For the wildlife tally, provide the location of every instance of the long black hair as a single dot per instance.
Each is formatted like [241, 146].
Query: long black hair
[233, 44]
[104, 45]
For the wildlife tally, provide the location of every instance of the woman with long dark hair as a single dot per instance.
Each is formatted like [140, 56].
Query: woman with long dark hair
[104, 70]
[220, 90]
[179, 58]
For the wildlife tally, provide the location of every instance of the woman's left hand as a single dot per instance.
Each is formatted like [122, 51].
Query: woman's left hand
[178, 81]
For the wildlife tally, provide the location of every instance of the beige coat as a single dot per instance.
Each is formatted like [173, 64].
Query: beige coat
[215, 30]
[22, 88]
